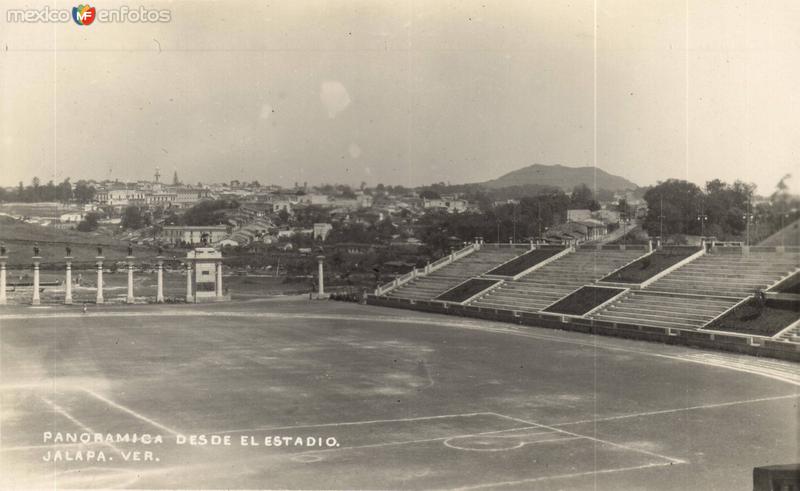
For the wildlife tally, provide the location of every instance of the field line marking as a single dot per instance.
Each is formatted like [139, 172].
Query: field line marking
[422, 440]
[677, 410]
[70, 417]
[130, 411]
[598, 440]
[565, 476]
[353, 423]
[22, 448]
[515, 447]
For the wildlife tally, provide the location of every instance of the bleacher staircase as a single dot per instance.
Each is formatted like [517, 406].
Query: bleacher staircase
[698, 292]
[544, 286]
[439, 281]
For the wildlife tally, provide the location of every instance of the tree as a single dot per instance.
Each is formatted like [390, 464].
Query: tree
[83, 192]
[89, 223]
[673, 204]
[283, 217]
[134, 218]
[623, 208]
[429, 194]
[210, 212]
[583, 198]
[175, 181]
[65, 191]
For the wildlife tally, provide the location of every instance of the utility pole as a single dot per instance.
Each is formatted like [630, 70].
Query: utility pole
[625, 222]
[661, 218]
[514, 223]
[748, 217]
[539, 208]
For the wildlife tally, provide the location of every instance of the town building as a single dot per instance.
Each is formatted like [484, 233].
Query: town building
[577, 215]
[321, 230]
[184, 234]
[451, 204]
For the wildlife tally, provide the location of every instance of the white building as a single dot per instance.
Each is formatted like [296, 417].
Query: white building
[451, 204]
[321, 230]
[578, 215]
[72, 217]
[193, 234]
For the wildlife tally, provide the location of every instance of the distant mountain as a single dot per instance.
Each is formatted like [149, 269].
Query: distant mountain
[562, 177]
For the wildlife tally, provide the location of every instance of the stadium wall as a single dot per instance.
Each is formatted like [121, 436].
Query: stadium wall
[695, 339]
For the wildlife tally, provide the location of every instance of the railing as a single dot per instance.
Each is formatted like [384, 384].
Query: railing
[430, 268]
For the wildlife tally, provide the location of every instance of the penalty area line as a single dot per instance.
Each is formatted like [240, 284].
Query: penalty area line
[131, 412]
[80, 424]
[672, 460]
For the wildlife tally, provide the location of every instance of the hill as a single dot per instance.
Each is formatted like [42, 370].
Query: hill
[562, 177]
[19, 238]
[787, 236]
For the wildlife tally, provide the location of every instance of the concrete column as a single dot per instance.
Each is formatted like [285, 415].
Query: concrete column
[68, 282]
[36, 300]
[321, 283]
[3, 299]
[219, 279]
[160, 280]
[189, 296]
[99, 298]
[130, 298]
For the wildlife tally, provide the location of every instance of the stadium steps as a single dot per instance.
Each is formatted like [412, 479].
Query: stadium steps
[557, 279]
[791, 336]
[732, 275]
[664, 309]
[479, 262]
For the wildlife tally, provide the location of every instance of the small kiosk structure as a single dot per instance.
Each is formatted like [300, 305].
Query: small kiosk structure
[204, 276]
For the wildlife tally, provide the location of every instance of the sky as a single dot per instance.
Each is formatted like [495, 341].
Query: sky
[405, 92]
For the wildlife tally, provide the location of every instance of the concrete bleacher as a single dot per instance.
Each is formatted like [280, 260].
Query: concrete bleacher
[441, 280]
[699, 291]
[665, 309]
[791, 335]
[554, 280]
[729, 274]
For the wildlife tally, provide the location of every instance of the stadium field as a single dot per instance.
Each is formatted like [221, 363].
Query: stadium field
[293, 394]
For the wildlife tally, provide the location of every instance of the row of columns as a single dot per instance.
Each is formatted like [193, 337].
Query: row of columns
[36, 299]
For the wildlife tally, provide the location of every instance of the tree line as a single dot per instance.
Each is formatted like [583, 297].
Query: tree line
[36, 192]
[677, 207]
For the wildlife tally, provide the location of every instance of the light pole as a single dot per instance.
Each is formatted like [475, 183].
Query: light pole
[703, 218]
[498, 231]
[661, 217]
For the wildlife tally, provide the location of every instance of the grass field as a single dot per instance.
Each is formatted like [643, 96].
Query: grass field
[646, 267]
[403, 400]
[787, 236]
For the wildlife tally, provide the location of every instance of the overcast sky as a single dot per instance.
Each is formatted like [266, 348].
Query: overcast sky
[406, 92]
